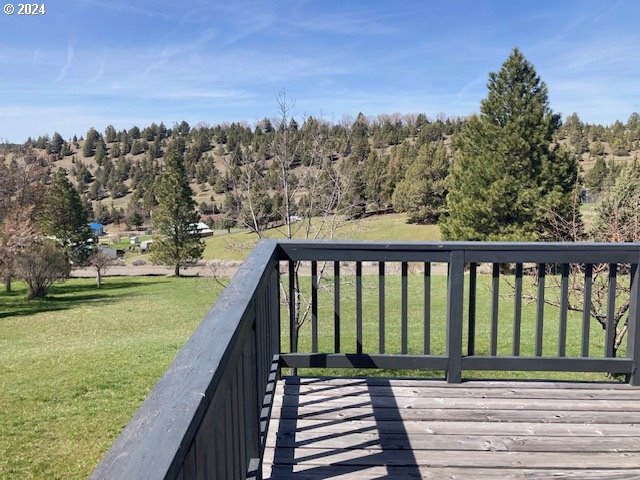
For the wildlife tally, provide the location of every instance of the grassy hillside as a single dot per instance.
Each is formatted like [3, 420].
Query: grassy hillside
[236, 246]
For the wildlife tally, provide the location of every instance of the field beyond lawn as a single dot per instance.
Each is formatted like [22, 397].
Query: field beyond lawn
[76, 367]
[393, 226]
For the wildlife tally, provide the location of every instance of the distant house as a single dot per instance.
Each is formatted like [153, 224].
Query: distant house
[112, 253]
[202, 229]
[145, 246]
[97, 229]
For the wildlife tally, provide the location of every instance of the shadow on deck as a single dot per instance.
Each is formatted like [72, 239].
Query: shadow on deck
[339, 428]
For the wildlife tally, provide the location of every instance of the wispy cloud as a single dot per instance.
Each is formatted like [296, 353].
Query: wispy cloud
[151, 11]
[349, 24]
[65, 67]
[99, 74]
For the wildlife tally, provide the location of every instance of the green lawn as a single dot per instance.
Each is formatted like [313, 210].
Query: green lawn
[75, 367]
[236, 246]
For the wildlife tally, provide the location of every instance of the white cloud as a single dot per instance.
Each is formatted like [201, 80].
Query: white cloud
[65, 67]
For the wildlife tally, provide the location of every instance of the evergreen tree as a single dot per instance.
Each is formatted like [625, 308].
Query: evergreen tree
[110, 134]
[64, 217]
[175, 240]
[374, 174]
[90, 143]
[354, 202]
[423, 191]
[597, 176]
[508, 180]
[55, 146]
[618, 214]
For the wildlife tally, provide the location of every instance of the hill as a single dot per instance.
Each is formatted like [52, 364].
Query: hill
[116, 170]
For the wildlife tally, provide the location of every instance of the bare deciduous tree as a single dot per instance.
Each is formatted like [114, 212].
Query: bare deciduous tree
[617, 220]
[100, 261]
[43, 264]
[23, 181]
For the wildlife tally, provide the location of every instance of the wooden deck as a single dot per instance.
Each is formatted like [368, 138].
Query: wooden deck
[339, 428]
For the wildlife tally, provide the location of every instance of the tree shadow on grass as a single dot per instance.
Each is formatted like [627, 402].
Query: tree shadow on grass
[67, 296]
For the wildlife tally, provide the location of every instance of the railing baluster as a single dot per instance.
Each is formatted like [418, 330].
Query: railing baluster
[241, 399]
[540, 308]
[471, 343]
[228, 438]
[564, 306]
[633, 335]
[314, 307]
[293, 346]
[336, 306]
[586, 309]
[358, 307]
[381, 307]
[235, 432]
[427, 308]
[611, 310]
[405, 268]
[517, 311]
[495, 290]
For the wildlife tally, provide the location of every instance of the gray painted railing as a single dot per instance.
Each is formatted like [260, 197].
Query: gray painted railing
[459, 257]
[208, 415]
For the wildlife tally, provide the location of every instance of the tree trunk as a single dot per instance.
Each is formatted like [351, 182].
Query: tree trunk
[176, 270]
[7, 281]
[98, 278]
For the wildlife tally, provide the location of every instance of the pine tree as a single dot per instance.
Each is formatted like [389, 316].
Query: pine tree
[55, 146]
[64, 217]
[423, 191]
[618, 214]
[374, 172]
[597, 176]
[508, 179]
[175, 240]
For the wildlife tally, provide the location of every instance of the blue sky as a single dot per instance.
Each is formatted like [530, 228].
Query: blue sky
[97, 62]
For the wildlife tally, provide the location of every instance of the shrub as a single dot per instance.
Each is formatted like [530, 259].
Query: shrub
[41, 266]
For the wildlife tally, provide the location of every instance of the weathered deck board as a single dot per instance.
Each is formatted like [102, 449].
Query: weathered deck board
[437, 473]
[378, 428]
[408, 391]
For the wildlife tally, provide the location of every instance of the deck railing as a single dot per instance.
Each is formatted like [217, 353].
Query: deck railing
[459, 258]
[208, 415]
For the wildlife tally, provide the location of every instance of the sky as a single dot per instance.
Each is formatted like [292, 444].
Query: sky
[91, 63]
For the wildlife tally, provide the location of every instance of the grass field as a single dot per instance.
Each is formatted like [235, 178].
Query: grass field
[76, 366]
[236, 246]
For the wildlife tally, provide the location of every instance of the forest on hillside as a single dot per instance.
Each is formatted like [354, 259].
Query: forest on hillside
[379, 160]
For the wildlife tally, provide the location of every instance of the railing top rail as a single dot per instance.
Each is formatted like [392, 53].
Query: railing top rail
[450, 246]
[498, 252]
[155, 441]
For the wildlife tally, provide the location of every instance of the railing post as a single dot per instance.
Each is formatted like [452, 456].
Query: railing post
[293, 341]
[633, 339]
[455, 294]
